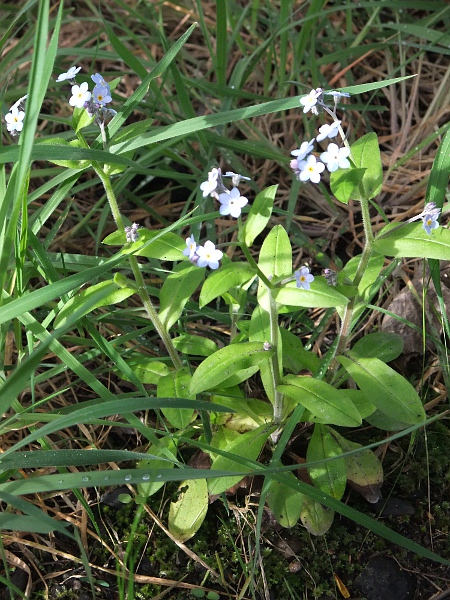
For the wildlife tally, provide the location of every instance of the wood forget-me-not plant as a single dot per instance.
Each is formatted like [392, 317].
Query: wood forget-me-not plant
[197, 389]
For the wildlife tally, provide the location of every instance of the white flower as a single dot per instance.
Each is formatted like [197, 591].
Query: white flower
[336, 158]
[304, 150]
[303, 278]
[207, 187]
[191, 247]
[310, 100]
[69, 75]
[232, 203]
[14, 120]
[328, 131]
[310, 169]
[208, 255]
[80, 95]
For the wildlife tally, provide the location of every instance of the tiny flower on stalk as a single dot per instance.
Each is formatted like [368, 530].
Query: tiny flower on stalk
[303, 278]
[80, 95]
[208, 255]
[328, 131]
[69, 75]
[232, 203]
[430, 221]
[101, 95]
[236, 178]
[14, 120]
[132, 233]
[310, 169]
[208, 187]
[335, 158]
[98, 79]
[304, 150]
[310, 100]
[191, 247]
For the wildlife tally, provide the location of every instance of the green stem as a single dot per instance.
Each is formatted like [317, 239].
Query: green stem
[274, 364]
[346, 324]
[141, 289]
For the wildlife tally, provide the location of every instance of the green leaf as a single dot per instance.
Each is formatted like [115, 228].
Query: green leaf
[275, 257]
[320, 295]
[221, 365]
[385, 388]
[259, 215]
[295, 357]
[188, 513]
[147, 370]
[331, 475]
[112, 295]
[382, 344]
[366, 155]
[371, 272]
[344, 182]
[166, 450]
[326, 404]
[375, 85]
[195, 345]
[176, 385]
[219, 282]
[247, 445]
[285, 503]
[315, 517]
[70, 164]
[412, 241]
[81, 119]
[176, 291]
[364, 470]
[164, 246]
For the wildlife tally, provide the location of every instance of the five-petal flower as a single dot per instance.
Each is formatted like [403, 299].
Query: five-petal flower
[304, 150]
[232, 203]
[328, 131]
[208, 255]
[69, 75]
[335, 158]
[303, 278]
[14, 120]
[310, 169]
[80, 95]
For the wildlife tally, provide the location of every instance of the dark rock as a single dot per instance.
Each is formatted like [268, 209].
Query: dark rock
[383, 579]
[393, 507]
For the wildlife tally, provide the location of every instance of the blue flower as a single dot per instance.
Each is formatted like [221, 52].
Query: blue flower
[303, 278]
[430, 221]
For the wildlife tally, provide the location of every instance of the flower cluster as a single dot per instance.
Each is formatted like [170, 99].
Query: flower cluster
[132, 233]
[202, 256]
[94, 102]
[231, 201]
[14, 118]
[305, 165]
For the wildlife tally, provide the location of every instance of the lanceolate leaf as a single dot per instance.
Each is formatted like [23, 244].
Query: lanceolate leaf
[285, 503]
[223, 280]
[326, 404]
[320, 295]
[176, 291]
[412, 241]
[331, 475]
[366, 155]
[188, 513]
[246, 445]
[225, 362]
[259, 215]
[385, 388]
